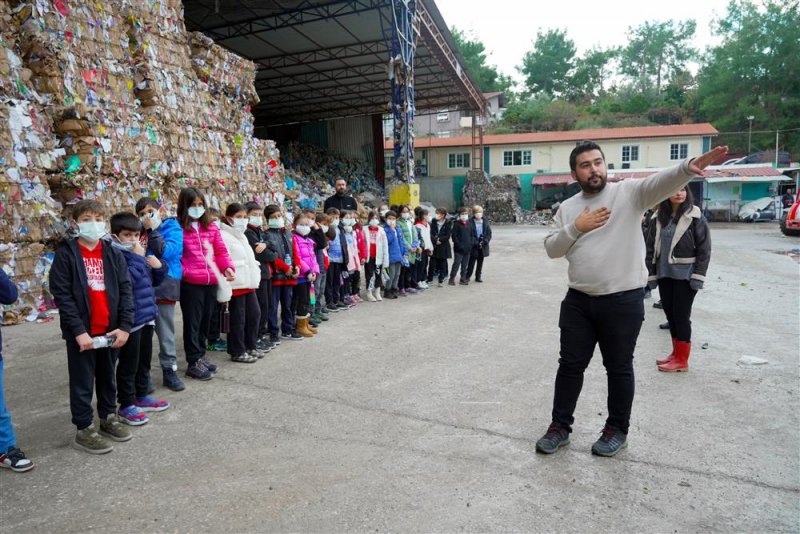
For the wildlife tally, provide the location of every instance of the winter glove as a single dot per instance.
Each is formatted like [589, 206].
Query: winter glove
[695, 284]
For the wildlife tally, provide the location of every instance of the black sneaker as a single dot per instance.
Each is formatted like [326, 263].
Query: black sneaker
[171, 380]
[264, 345]
[210, 366]
[610, 443]
[324, 310]
[198, 371]
[275, 340]
[332, 308]
[294, 336]
[664, 326]
[15, 460]
[555, 438]
[658, 305]
[342, 306]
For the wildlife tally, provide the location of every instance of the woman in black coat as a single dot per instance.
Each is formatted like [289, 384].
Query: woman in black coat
[678, 253]
[480, 249]
[440, 236]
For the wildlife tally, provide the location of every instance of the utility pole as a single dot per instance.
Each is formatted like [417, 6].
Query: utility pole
[749, 133]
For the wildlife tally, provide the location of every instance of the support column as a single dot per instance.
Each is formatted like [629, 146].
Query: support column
[405, 28]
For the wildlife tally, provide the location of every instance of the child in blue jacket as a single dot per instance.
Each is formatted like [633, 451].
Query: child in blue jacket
[398, 254]
[165, 242]
[10, 455]
[133, 367]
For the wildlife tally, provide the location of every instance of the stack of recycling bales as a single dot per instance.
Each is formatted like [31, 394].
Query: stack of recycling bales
[115, 101]
[499, 196]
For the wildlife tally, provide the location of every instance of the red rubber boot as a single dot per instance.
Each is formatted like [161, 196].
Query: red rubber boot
[680, 364]
[671, 354]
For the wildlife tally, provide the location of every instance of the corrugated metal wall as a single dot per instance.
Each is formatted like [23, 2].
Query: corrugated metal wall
[352, 137]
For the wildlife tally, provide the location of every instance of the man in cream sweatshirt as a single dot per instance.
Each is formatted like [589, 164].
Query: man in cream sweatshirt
[599, 232]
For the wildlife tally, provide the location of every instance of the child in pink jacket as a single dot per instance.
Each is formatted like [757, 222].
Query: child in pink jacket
[199, 282]
[309, 270]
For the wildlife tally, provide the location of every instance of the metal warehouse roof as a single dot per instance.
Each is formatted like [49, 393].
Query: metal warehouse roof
[597, 134]
[329, 58]
[723, 173]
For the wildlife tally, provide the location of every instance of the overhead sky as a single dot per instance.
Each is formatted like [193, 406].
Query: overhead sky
[508, 27]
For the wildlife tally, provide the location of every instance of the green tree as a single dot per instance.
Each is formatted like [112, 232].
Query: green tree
[488, 78]
[655, 51]
[754, 72]
[547, 67]
[587, 81]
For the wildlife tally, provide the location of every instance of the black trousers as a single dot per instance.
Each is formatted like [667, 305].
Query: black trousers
[334, 285]
[145, 360]
[354, 283]
[198, 304]
[407, 277]
[437, 268]
[475, 264]
[281, 298]
[214, 332]
[421, 272]
[460, 263]
[613, 322]
[301, 299]
[127, 367]
[264, 296]
[372, 275]
[677, 298]
[245, 317]
[90, 372]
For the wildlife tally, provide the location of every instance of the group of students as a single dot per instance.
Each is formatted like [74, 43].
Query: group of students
[244, 272]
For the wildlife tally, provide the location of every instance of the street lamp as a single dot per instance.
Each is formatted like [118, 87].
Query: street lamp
[749, 133]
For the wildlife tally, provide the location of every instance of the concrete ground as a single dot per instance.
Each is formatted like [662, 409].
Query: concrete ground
[421, 415]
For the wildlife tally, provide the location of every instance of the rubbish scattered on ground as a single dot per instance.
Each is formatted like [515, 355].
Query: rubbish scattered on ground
[751, 361]
[684, 484]
[704, 346]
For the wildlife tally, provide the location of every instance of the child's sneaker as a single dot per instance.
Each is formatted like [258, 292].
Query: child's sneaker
[88, 440]
[113, 429]
[150, 404]
[198, 371]
[264, 345]
[331, 308]
[131, 415]
[218, 345]
[294, 336]
[171, 380]
[323, 310]
[411, 291]
[275, 340]
[403, 293]
[15, 460]
[210, 366]
[243, 358]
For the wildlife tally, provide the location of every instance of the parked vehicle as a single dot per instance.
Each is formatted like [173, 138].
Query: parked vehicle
[759, 210]
[768, 156]
[790, 219]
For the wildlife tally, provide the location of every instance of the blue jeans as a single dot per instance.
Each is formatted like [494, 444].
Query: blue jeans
[7, 439]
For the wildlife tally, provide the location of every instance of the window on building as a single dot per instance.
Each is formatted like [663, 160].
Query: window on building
[516, 158]
[389, 162]
[630, 153]
[679, 151]
[458, 161]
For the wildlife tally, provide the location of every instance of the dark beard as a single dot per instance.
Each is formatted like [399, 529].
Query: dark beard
[340, 193]
[591, 189]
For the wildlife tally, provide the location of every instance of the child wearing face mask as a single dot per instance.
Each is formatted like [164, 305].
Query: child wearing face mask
[377, 255]
[337, 265]
[256, 236]
[309, 270]
[351, 297]
[165, 242]
[319, 226]
[215, 342]
[202, 243]
[398, 254]
[480, 249]
[463, 235]
[243, 308]
[422, 225]
[405, 224]
[440, 236]
[133, 363]
[90, 283]
[285, 270]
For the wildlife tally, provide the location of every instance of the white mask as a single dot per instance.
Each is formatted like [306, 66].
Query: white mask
[479, 215]
[256, 221]
[303, 229]
[240, 224]
[276, 223]
[154, 216]
[335, 222]
[374, 222]
[428, 219]
[464, 217]
[384, 212]
[406, 216]
[324, 228]
[92, 231]
[195, 212]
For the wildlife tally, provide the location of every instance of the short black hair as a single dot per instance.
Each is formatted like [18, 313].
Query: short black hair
[87, 206]
[580, 148]
[145, 202]
[250, 206]
[270, 210]
[125, 220]
[390, 213]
